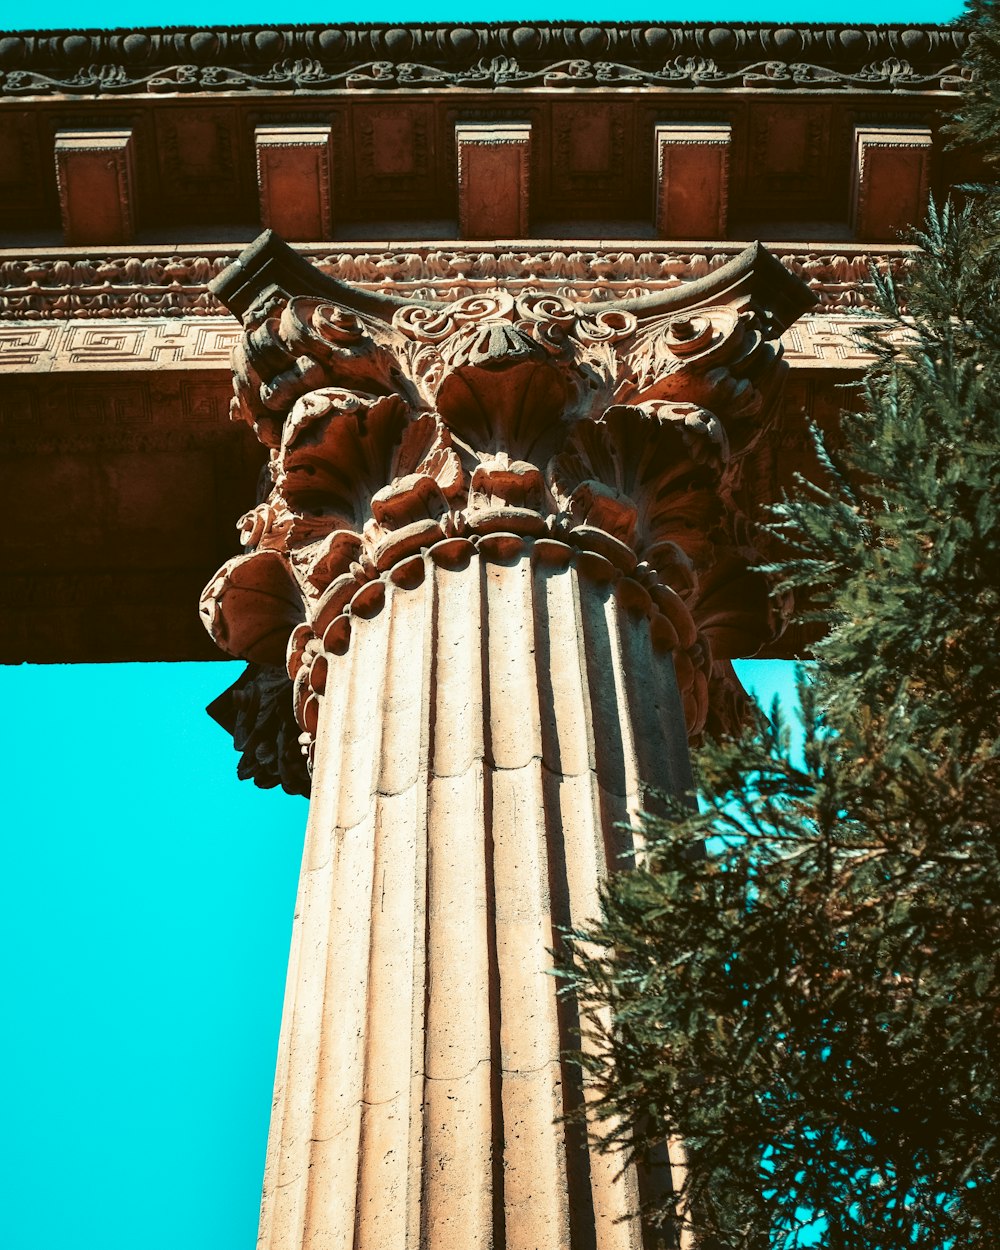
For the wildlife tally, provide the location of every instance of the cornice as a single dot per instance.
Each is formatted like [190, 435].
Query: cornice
[483, 57]
[62, 283]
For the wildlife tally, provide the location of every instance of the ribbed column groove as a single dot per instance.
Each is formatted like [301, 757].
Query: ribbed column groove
[509, 543]
[478, 741]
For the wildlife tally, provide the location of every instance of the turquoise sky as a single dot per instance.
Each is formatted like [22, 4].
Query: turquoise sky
[146, 896]
[146, 899]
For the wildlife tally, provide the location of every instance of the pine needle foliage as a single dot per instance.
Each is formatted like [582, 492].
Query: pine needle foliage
[977, 121]
[813, 1007]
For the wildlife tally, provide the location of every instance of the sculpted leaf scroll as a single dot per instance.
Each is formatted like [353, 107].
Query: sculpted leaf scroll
[319, 59]
[609, 437]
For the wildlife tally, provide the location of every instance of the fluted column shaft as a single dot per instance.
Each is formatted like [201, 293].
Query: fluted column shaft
[479, 742]
[500, 563]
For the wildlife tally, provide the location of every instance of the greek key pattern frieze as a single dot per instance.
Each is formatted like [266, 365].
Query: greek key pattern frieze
[66, 346]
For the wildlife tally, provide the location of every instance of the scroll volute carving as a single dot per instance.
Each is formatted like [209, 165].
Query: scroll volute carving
[616, 430]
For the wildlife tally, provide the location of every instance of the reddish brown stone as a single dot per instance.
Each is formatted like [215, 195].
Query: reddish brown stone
[692, 180]
[506, 535]
[493, 166]
[504, 558]
[890, 176]
[293, 179]
[94, 169]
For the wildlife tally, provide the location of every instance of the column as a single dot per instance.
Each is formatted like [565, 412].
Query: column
[502, 560]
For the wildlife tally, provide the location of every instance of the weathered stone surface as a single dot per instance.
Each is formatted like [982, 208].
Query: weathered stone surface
[500, 560]
[890, 178]
[96, 180]
[338, 58]
[293, 178]
[145, 284]
[394, 427]
[692, 180]
[392, 127]
[494, 175]
[505, 556]
[74, 394]
[139, 477]
[451, 836]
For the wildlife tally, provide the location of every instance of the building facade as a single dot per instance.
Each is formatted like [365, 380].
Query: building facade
[136, 164]
[536, 332]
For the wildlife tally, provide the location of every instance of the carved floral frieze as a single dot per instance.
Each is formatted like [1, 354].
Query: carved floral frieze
[607, 437]
[311, 74]
[87, 287]
[501, 56]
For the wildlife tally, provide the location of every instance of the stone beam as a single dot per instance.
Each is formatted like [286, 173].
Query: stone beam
[141, 472]
[143, 282]
[494, 163]
[692, 179]
[890, 175]
[94, 174]
[293, 180]
[119, 348]
[499, 568]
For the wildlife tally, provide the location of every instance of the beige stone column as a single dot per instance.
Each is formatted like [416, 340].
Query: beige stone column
[503, 561]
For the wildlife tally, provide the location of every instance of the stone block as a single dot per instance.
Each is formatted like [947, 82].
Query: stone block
[692, 179]
[494, 160]
[96, 180]
[889, 180]
[294, 181]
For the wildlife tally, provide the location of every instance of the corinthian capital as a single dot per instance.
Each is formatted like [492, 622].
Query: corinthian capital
[610, 436]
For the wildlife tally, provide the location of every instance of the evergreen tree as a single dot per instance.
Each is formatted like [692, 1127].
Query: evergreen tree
[813, 1008]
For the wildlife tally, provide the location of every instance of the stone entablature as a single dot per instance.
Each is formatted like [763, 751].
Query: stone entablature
[113, 345]
[160, 152]
[146, 282]
[359, 132]
[123, 362]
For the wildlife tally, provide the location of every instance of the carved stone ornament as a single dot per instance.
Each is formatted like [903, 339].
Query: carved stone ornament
[141, 284]
[569, 55]
[405, 435]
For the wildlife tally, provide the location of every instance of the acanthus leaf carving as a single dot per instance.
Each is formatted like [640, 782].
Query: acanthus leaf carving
[137, 286]
[406, 433]
[335, 450]
[252, 605]
[258, 710]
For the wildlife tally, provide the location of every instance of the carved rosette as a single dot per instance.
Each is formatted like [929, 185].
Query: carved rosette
[406, 435]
